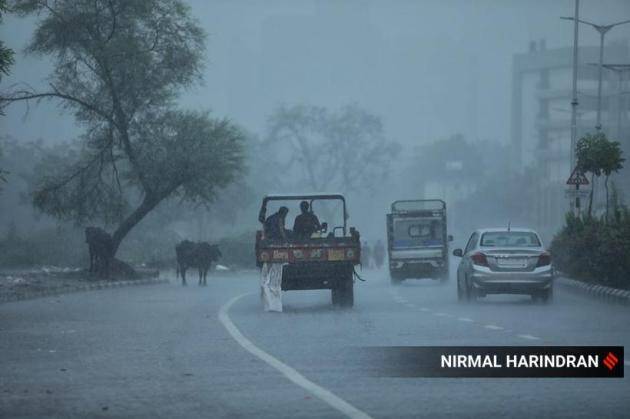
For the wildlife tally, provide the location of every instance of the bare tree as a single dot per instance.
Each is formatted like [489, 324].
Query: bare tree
[312, 146]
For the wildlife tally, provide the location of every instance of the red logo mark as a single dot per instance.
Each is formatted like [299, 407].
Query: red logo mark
[610, 361]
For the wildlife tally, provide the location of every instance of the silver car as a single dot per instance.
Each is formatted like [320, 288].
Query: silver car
[504, 261]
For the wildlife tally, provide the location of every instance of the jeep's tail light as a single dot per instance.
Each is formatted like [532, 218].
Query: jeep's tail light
[544, 259]
[479, 259]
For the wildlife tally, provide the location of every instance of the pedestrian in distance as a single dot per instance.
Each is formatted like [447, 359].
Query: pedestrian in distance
[379, 254]
[366, 255]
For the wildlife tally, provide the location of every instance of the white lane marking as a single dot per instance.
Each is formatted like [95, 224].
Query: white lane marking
[425, 309]
[294, 376]
[441, 314]
[530, 337]
[410, 305]
[465, 319]
[493, 327]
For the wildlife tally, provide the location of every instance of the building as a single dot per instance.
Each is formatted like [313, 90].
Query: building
[541, 115]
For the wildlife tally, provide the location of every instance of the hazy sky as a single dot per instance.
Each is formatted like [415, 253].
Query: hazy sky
[429, 68]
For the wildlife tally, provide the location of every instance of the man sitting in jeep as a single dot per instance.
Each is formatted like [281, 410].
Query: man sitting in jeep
[306, 223]
[274, 226]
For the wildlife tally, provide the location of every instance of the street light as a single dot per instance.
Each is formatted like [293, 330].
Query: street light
[620, 69]
[602, 29]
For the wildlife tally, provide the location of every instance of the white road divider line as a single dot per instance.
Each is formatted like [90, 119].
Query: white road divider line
[425, 309]
[493, 327]
[290, 373]
[465, 319]
[530, 337]
[441, 314]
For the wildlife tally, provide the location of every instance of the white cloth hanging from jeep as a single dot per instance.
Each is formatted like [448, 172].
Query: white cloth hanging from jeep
[271, 286]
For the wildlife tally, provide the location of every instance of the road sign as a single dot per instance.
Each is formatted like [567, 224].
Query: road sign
[579, 193]
[577, 178]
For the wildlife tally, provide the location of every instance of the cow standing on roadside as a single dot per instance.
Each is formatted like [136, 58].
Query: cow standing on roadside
[206, 254]
[196, 255]
[101, 248]
[185, 253]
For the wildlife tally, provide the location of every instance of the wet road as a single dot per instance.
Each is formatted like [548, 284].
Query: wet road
[165, 351]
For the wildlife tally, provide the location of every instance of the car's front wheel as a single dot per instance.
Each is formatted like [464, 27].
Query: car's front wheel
[470, 294]
[460, 293]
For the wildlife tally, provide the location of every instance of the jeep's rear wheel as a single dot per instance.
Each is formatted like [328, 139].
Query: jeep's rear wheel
[343, 294]
[334, 293]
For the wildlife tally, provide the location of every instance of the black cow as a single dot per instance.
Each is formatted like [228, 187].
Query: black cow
[101, 248]
[196, 255]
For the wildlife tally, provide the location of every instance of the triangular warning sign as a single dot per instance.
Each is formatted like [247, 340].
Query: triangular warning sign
[577, 178]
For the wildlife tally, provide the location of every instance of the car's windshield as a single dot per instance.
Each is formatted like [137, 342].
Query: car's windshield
[418, 232]
[510, 239]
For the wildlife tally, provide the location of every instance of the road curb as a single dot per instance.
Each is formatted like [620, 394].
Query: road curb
[101, 285]
[601, 292]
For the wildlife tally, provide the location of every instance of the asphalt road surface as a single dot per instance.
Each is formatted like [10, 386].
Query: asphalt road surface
[172, 351]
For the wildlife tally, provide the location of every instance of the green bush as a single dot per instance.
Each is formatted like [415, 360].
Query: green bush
[238, 251]
[63, 247]
[158, 250]
[594, 250]
[66, 247]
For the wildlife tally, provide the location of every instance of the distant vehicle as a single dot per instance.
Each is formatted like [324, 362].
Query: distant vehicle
[326, 260]
[417, 243]
[504, 261]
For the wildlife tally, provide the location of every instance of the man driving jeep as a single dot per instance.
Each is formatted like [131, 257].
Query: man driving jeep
[306, 223]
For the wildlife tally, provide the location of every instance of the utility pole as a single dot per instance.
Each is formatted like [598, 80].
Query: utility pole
[574, 99]
[574, 102]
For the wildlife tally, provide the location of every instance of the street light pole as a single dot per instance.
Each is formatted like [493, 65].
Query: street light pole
[574, 100]
[602, 29]
[602, 32]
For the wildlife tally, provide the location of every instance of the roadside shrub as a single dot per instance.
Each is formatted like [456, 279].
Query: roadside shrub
[152, 247]
[63, 247]
[238, 252]
[594, 250]
[159, 251]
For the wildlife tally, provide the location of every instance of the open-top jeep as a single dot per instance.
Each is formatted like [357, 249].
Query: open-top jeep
[325, 260]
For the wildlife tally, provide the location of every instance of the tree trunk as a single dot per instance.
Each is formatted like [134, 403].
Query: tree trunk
[590, 199]
[606, 186]
[147, 205]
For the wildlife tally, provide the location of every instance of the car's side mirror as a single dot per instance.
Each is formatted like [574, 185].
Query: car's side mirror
[458, 252]
[450, 237]
[324, 227]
